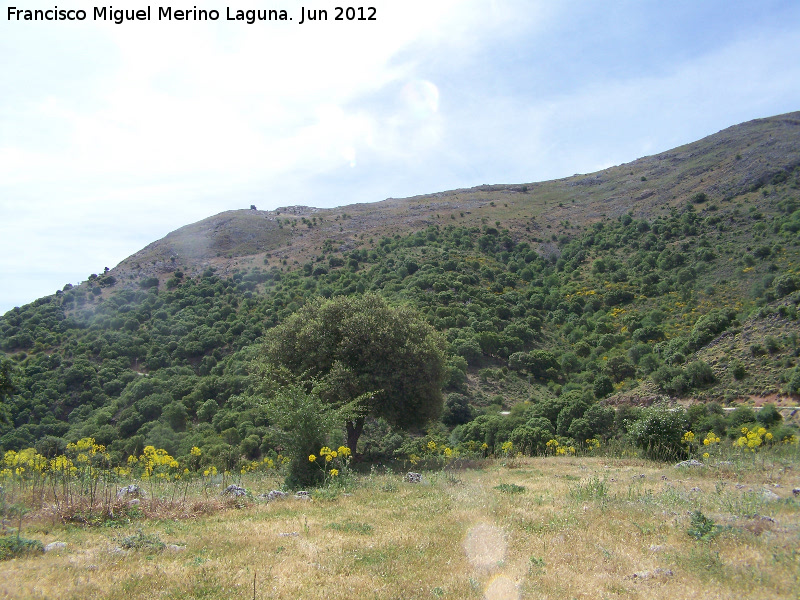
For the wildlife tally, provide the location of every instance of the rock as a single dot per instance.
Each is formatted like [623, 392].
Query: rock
[175, 548]
[290, 534]
[134, 502]
[234, 490]
[689, 463]
[130, 491]
[769, 495]
[274, 495]
[413, 477]
[55, 546]
[767, 519]
[302, 496]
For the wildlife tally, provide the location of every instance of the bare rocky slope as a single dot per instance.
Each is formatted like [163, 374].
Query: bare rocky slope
[737, 159]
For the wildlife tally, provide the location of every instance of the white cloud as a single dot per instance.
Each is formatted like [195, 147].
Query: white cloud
[113, 135]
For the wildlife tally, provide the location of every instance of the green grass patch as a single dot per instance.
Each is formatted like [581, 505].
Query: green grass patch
[510, 488]
[13, 547]
[143, 541]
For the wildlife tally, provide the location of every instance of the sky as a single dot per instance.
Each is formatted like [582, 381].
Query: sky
[113, 135]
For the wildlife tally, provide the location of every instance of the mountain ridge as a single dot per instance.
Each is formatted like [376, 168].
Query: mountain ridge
[641, 186]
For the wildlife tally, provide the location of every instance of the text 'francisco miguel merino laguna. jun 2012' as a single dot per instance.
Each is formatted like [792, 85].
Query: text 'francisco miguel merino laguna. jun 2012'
[168, 13]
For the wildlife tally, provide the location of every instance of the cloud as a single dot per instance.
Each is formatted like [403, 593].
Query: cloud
[113, 135]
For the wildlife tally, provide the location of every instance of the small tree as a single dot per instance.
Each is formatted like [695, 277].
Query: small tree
[304, 422]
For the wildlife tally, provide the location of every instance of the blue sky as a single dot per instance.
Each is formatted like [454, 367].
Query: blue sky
[111, 136]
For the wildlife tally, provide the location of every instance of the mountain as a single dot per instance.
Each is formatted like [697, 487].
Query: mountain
[724, 165]
[671, 276]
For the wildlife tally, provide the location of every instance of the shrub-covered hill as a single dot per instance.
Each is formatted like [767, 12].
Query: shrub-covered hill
[695, 297]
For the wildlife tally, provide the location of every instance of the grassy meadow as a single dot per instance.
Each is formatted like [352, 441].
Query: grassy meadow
[514, 527]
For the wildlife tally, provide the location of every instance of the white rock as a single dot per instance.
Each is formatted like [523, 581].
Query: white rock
[55, 546]
[689, 463]
[769, 495]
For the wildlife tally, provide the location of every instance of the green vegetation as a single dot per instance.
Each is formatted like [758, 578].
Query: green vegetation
[490, 330]
[529, 333]
[387, 363]
[12, 546]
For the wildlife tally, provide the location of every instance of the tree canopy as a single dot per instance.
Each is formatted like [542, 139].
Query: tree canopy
[359, 346]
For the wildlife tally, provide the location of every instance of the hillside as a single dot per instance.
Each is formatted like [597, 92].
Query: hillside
[728, 164]
[671, 276]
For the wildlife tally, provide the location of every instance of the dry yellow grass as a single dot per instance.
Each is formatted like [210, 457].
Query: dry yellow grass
[582, 528]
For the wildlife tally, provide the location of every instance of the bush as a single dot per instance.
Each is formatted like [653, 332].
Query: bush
[702, 528]
[539, 363]
[738, 370]
[580, 430]
[793, 381]
[786, 284]
[12, 546]
[769, 415]
[143, 541]
[306, 422]
[708, 327]
[600, 419]
[603, 386]
[659, 432]
[457, 410]
[741, 415]
[699, 374]
[149, 282]
[533, 436]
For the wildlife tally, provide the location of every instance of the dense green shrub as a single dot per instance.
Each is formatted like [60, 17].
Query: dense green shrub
[12, 546]
[659, 432]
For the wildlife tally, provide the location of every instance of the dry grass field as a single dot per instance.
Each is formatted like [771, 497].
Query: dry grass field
[555, 527]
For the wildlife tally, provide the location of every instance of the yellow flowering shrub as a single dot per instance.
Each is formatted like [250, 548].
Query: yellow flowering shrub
[335, 461]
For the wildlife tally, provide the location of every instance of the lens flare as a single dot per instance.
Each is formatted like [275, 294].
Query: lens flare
[501, 588]
[485, 545]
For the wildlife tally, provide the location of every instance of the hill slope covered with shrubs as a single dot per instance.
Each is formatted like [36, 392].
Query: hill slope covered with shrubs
[693, 298]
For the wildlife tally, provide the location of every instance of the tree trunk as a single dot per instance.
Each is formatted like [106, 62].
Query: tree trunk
[354, 429]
